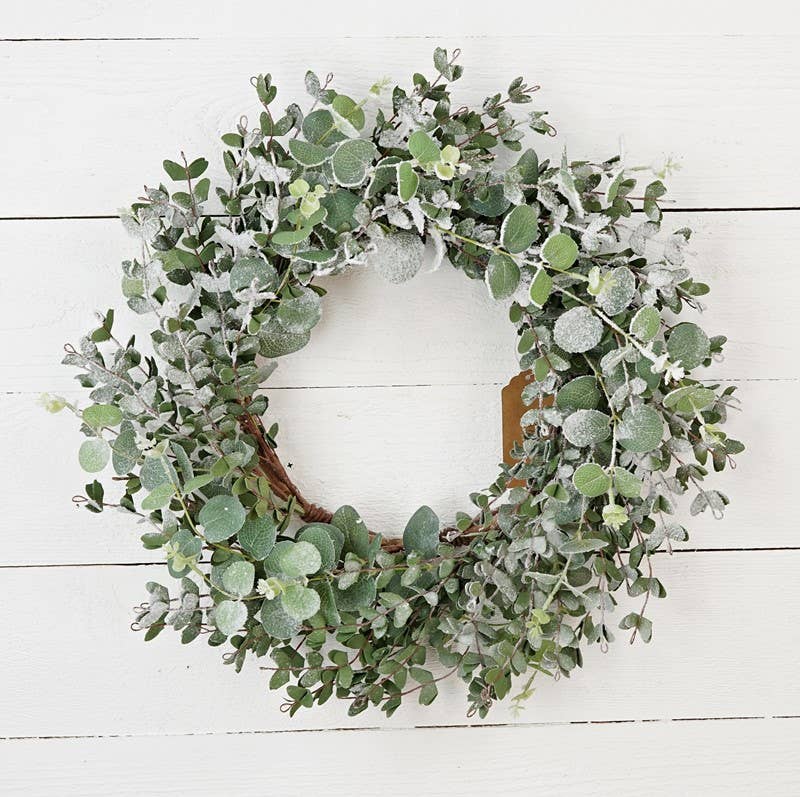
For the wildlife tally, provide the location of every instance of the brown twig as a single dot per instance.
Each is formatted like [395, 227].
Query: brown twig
[282, 485]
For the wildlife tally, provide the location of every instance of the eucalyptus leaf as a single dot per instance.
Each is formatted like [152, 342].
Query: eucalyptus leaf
[94, 454]
[221, 517]
[422, 532]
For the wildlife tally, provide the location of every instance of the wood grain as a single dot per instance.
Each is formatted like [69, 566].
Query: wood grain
[320, 20]
[403, 405]
[734, 757]
[101, 116]
[385, 450]
[438, 329]
[77, 669]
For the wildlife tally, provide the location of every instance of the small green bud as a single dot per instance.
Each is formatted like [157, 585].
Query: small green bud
[614, 516]
[52, 403]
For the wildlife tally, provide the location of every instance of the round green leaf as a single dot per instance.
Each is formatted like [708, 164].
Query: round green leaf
[300, 314]
[275, 341]
[398, 257]
[247, 271]
[586, 545]
[580, 393]
[99, 415]
[626, 484]
[423, 147]
[587, 427]
[307, 154]
[688, 345]
[520, 229]
[351, 161]
[349, 110]
[407, 181]
[238, 578]
[230, 616]
[502, 276]
[591, 480]
[356, 596]
[641, 430]
[159, 498]
[277, 621]
[690, 399]
[124, 451]
[618, 291]
[300, 602]
[645, 324]
[93, 455]
[153, 473]
[560, 251]
[578, 330]
[422, 532]
[257, 536]
[354, 531]
[319, 128]
[320, 538]
[221, 517]
[299, 559]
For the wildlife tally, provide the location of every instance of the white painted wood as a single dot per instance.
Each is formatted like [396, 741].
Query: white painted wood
[385, 450]
[439, 328]
[736, 757]
[95, 119]
[399, 375]
[724, 645]
[182, 18]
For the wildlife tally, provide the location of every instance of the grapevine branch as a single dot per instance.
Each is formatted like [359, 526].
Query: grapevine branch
[282, 485]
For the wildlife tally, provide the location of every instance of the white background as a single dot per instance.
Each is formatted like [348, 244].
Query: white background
[395, 403]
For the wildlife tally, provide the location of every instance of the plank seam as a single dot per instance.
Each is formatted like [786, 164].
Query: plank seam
[106, 217]
[54, 565]
[370, 728]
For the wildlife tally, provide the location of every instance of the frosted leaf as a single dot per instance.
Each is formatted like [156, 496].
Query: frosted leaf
[439, 248]
[639, 237]
[441, 199]
[414, 208]
[659, 277]
[240, 242]
[641, 430]
[271, 173]
[213, 284]
[592, 237]
[142, 230]
[268, 207]
[618, 290]
[578, 330]
[397, 218]
[611, 360]
[586, 427]
[398, 258]
[673, 249]
[620, 396]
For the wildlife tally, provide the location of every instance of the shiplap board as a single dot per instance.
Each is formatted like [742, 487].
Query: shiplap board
[88, 122]
[319, 18]
[384, 450]
[735, 757]
[439, 328]
[723, 646]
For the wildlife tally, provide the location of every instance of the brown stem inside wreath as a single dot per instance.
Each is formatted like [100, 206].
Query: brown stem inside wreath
[274, 471]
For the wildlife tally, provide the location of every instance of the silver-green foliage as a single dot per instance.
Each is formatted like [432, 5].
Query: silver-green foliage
[519, 585]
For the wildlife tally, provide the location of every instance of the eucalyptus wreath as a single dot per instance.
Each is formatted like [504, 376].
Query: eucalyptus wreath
[617, 425]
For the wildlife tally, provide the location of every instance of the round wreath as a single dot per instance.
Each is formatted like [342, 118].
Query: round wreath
[616, 425]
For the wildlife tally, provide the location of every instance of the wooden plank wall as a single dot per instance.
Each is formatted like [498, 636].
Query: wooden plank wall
[395, 403]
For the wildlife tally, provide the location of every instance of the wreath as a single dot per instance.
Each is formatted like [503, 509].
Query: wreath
[616, 426]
